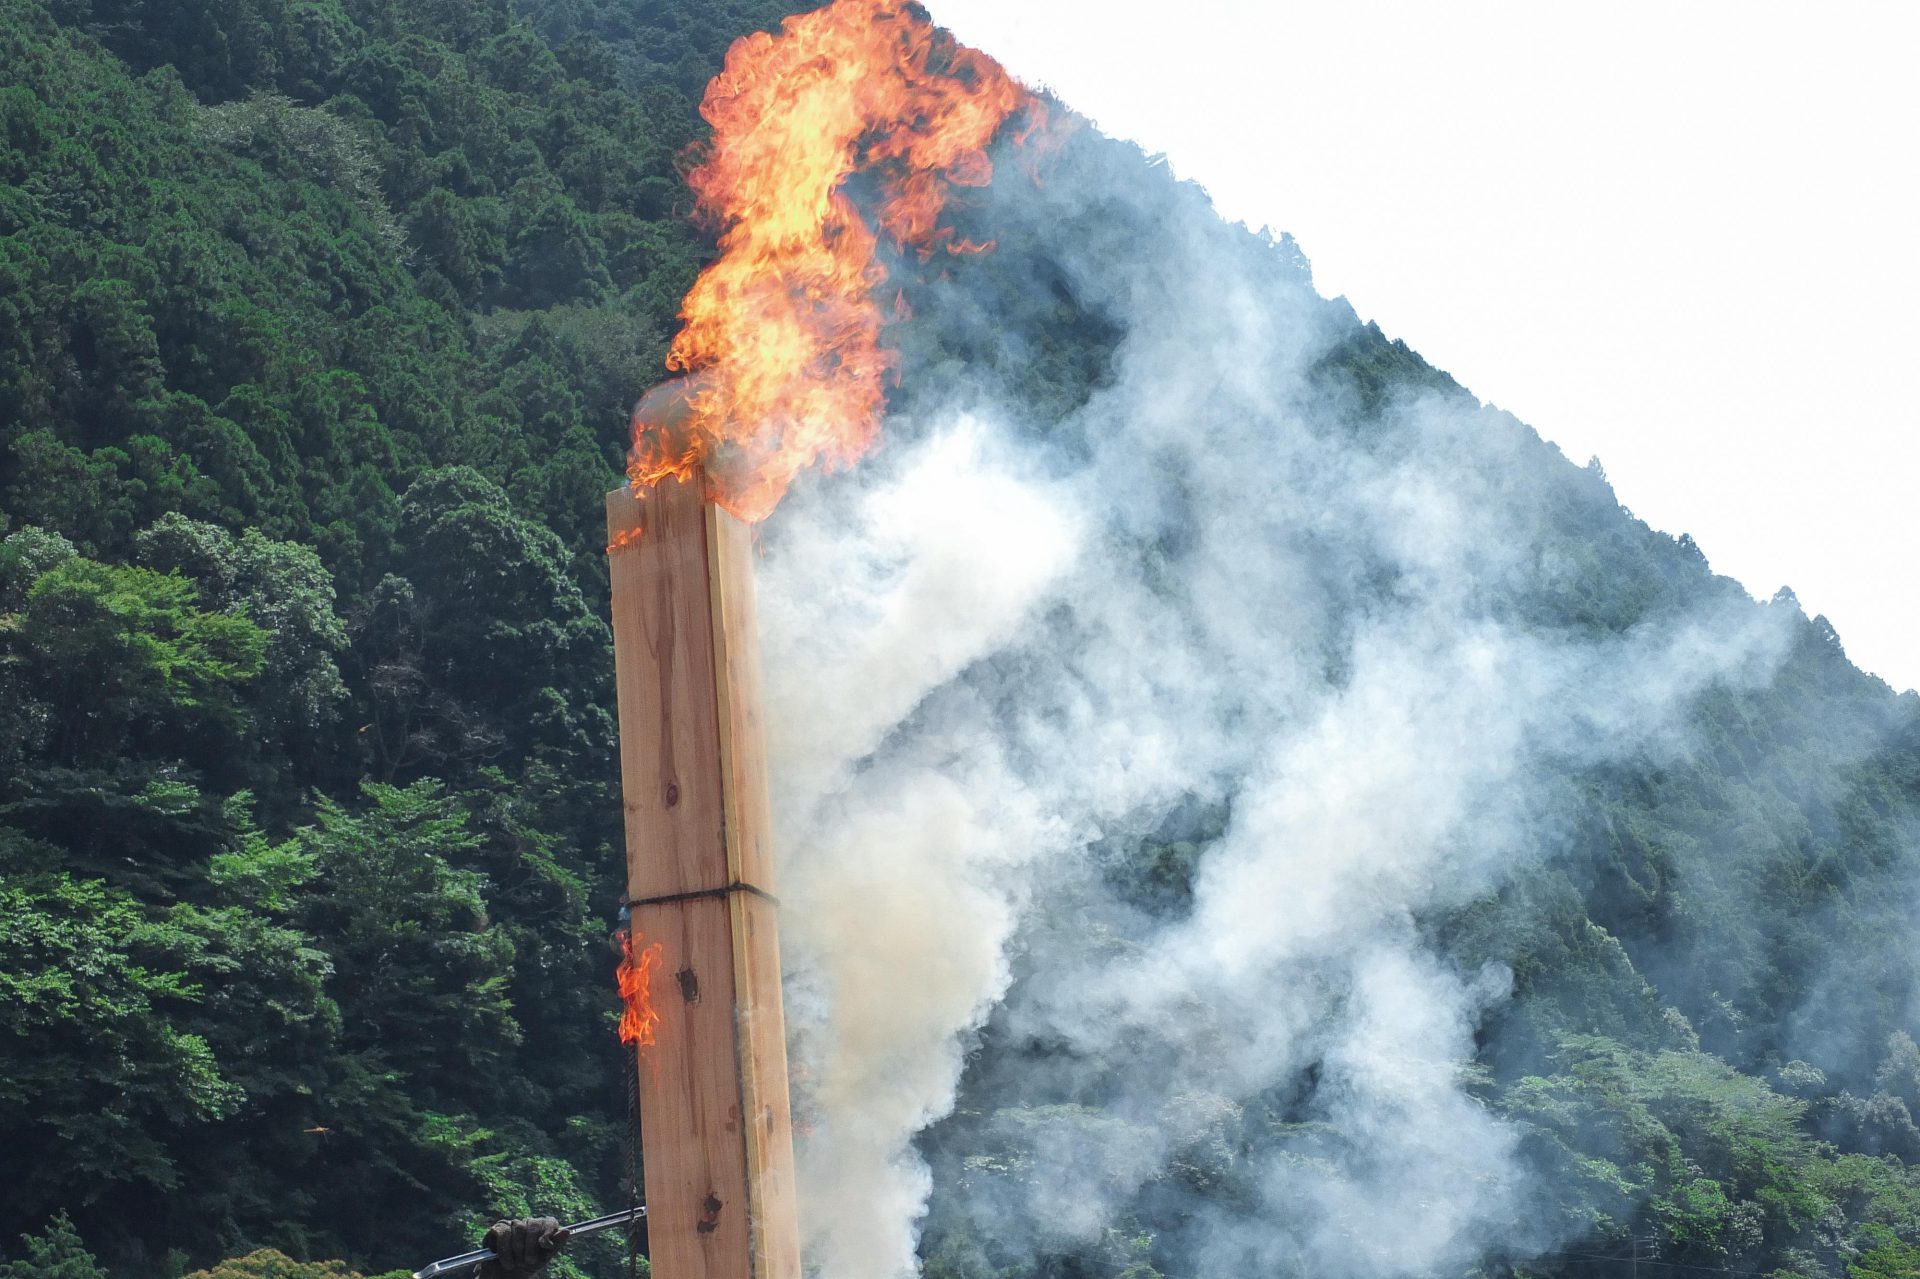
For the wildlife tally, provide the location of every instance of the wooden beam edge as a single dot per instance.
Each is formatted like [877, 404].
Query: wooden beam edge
[718, 572]
[766, 1121]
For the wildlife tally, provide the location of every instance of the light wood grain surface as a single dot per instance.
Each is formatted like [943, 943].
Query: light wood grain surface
[717, 1144]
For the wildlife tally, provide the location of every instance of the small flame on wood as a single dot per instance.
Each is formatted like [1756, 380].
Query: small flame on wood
[637, 966]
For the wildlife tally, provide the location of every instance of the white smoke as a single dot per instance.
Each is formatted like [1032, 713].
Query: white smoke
[916, 851]
[986, 660]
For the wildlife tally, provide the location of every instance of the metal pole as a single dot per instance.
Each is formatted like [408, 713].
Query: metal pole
[579, 1230]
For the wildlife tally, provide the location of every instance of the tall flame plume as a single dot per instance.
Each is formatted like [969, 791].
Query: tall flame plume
[781, 334]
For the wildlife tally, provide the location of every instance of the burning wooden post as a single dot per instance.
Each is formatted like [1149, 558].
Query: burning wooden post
[717, 1142]
[784, 369]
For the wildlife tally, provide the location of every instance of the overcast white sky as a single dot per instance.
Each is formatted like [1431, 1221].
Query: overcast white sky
[1679, 235]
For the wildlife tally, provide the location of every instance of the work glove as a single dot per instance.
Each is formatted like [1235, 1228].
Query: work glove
[521, 1248]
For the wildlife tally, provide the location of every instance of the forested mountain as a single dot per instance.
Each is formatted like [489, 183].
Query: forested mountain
[319, 325]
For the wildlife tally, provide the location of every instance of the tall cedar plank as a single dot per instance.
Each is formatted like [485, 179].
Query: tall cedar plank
[720, 1191]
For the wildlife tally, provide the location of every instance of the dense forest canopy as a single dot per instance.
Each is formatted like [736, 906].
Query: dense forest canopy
[319, 325]
[321, 322]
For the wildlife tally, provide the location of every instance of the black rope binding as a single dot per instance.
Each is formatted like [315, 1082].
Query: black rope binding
[697, 894]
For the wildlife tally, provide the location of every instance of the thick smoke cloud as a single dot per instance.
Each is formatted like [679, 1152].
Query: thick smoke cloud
[1005, 647]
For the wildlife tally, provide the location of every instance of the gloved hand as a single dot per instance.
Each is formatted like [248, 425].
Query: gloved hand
[521, 1248]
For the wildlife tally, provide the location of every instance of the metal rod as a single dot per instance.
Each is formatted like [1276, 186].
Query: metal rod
[468, 1260]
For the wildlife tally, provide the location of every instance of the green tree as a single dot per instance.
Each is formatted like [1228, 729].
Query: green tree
[25, 556]
[486, 651]
[99, 1078]
[421, 976]
[121, 657]
[420, 972]
[266, 1263]
[56, 1253]
[1888, 1258]
[282, 588]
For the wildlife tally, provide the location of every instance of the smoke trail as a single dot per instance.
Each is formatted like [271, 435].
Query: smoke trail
[1002, 657]
[915, 852]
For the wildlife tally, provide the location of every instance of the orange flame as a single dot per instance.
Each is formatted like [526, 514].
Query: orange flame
[781, 336]
[636, 991]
